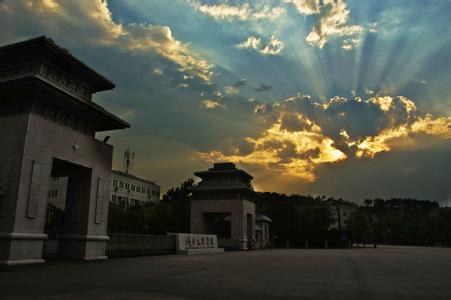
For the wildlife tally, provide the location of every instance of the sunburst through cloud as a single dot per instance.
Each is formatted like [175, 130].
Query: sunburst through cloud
[303, 92]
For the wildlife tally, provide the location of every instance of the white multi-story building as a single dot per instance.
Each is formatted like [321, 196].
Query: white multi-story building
[132, 190]
[57, 192]
[124, 188]
[340, 214]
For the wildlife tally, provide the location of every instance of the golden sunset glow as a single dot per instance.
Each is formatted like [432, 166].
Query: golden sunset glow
[210, 104]
[295, 145]
[382, 142]
[295, 153]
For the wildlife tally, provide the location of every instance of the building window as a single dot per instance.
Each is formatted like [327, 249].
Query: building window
[114, 182]
[133, 187]
[138, 189]
[127, 186]
[121, 184]
[113, 198]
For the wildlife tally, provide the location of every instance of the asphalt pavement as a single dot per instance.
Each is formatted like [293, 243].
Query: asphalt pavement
[387, 272]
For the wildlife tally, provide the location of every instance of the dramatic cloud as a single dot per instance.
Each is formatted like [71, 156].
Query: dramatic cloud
[159, 39]
[272, 47]
[177, 69]
[306, 7]
[333, 22]
[291, 153]
[305, 134]
[93, 20]
[227, 12]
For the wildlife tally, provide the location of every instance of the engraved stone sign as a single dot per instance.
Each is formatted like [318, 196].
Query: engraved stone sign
[192, 244]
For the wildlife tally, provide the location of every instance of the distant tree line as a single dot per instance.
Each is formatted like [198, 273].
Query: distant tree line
[172, 214]
[296, 219]
[404, 222]
[299, 218]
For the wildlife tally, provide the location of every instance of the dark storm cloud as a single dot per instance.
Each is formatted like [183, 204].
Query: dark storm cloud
[292, 122]
[240, 83]
[263, 88]
[359, 118]
[413, 173]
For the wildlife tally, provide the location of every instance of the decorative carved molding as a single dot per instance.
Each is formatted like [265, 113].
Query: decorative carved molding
[19, 71]
[63, 117]
[65, 82]
[50, 74]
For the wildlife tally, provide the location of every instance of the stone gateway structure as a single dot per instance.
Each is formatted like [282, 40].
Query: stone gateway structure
[48, 125]
[222, 206]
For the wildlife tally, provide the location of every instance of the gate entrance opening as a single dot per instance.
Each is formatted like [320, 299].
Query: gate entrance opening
[218, 224]
[63, 213]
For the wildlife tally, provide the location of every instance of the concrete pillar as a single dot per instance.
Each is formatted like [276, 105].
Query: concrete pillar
[196, 222]
[243, 231]
[22, 232]
[24, 203]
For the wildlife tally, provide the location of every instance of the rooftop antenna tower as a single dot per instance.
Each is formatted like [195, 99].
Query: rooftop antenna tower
[128, 160]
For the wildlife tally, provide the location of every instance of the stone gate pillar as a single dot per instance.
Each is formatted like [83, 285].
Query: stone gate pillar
[48, 124]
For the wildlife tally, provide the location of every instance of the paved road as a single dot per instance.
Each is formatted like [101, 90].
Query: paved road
[383, 273]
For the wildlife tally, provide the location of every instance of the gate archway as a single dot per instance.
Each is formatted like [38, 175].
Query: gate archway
[48, 123]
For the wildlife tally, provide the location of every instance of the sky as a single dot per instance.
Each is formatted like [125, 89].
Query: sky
[342, 98]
